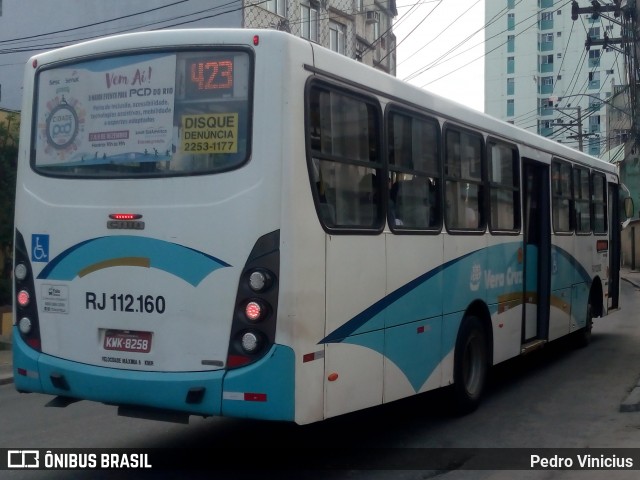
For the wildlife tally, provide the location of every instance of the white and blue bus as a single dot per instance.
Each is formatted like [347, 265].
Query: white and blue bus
[243, 223]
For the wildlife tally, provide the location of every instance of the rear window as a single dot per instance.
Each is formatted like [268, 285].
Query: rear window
[153, 114]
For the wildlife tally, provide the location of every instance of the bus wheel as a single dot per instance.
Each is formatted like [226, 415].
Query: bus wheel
[471, 365]
[583, 336]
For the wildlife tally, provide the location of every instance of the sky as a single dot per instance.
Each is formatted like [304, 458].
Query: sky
[440, 47]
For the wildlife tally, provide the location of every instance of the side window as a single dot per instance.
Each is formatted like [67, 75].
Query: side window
[504, 187]
[599, 203]
[345, 168]
[582, 200]
[463, 181]
[561, 196]
[414, 172]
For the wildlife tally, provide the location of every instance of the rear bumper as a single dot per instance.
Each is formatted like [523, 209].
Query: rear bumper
[264, 390]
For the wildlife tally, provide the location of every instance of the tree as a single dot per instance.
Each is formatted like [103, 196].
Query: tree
[9, 129]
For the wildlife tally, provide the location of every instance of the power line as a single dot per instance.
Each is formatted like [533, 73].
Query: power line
[40, 35]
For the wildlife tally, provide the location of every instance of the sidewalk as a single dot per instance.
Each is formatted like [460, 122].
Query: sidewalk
[632, 402]
[631, 276]
[6, 366]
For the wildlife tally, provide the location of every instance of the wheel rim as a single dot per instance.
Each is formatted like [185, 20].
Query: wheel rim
[474, 365]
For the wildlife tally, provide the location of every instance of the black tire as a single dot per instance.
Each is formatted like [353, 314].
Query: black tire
[583, 336]
[471, 365]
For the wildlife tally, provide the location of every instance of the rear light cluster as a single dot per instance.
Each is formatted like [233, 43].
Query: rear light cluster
[26, 309]
[254, 322]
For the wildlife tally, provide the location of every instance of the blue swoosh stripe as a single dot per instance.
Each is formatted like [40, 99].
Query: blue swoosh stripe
[362, 318]
[186, 263]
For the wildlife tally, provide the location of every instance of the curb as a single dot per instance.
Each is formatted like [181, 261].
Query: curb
[632, 402]
[632, 282]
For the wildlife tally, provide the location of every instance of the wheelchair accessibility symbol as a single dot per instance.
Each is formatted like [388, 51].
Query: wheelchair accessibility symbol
[39, 247]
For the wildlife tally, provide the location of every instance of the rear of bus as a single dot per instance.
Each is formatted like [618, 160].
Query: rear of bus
[147, 226]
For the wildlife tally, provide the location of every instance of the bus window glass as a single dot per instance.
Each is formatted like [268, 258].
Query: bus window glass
[463, 186]
[345, 170]
[599, 205]
[581, 199]
[561, 196]
[504, 188]
[153, 114]
[414, 178]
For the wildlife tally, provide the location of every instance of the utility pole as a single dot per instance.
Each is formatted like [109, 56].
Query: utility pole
[596, 9]
[578, 124]
[626, 17]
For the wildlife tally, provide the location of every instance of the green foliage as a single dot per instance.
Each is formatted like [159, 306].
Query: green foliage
[9, 129]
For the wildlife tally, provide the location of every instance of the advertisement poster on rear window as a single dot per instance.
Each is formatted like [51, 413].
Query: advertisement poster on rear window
[106, 111]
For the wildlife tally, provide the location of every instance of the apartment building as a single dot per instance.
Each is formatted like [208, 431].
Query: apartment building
[359, 29]
[540, 75]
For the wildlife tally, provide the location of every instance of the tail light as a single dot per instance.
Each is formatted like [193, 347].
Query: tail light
[26, 316]
[254, 323]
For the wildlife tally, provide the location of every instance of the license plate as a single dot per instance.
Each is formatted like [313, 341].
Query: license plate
[127, 341]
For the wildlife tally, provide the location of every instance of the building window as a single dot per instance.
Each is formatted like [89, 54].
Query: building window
[511, 21]
[546, 106]
[278, 7]
[594, 33]
[511, 86]
[511, 4]
[309, 19]
[594, 79]
[594, 58]
[337, 37]
[546, 21]
[546, 85]
[511, 64]
[511, 107]
[376, 30]
[545, 42]
[546, 63]
[511, 43]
